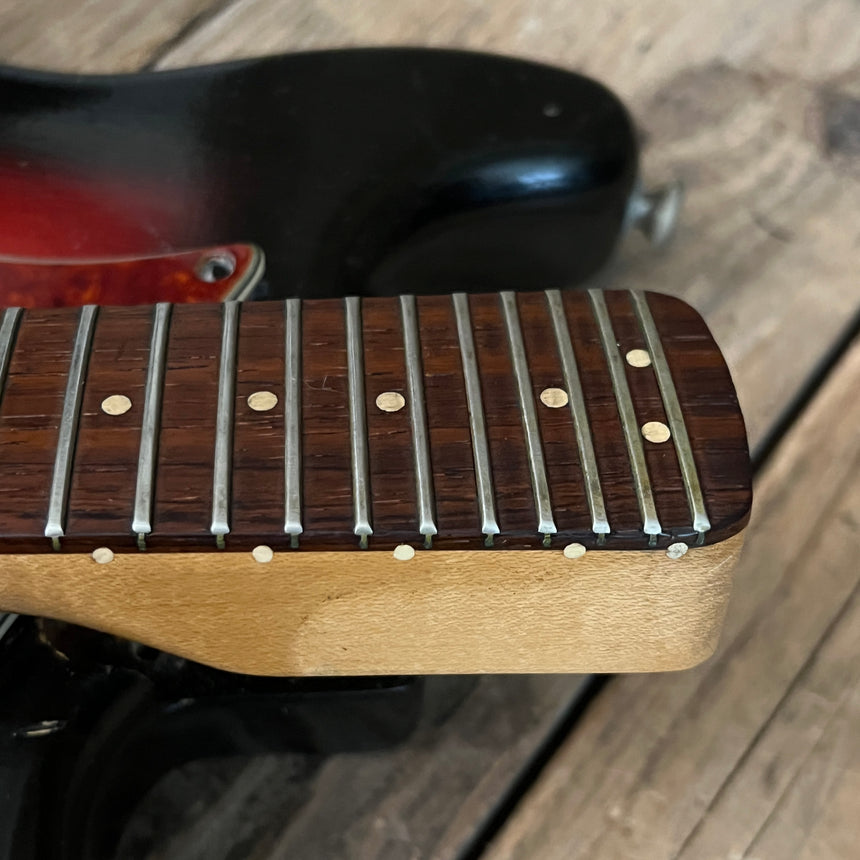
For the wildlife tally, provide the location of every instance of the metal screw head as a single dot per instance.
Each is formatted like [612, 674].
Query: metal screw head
[215, 267]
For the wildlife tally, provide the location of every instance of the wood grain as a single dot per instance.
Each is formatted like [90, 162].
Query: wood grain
[659, 767]
[102, 491]
[366, 613]
[100, 36]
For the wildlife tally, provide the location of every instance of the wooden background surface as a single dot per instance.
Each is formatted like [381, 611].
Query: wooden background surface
[756, 105]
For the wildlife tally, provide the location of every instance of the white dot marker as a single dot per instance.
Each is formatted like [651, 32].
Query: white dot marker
[638, 358]
[390, 401]
[103, 555]
[404, 552]
[116, 404]
[262, 554]
[676, 550]
[574, 550]
[555, 398]
[656, 431]
[262, 401]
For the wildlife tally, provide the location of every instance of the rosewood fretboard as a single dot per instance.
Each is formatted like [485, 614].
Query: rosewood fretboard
[524, 420]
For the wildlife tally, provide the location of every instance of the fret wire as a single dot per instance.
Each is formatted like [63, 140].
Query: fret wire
[477, 420]
[418, 418]
[224, 423]
[627, 414]
[537, 466]
[357, 421]
[292, 419]
[584, 440]
[150, 423]
[8, 329]
[674, 414]
[59, 494]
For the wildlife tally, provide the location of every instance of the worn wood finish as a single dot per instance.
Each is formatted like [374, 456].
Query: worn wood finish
[707, 763]
[368, 613]
[101, 512]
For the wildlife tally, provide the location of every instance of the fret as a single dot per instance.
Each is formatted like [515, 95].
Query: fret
[534, 450]
[224, 424]
[292, 420]
[58, 497]
[8, 329]
[624, 403]
[674, 414]
[477, 421]
[579, 413]
[473, 458]
[418, 419]
[150, 425]
[357, 422]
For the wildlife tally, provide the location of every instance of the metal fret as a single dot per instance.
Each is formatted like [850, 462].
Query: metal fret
[58, 498]
[292, 420]
[674, 415]
[418, 418]
[8, 329]
[624, 402]
[537, 466]
[477, 422]
[150, 424]
[357, 421]
[224, 424]
[584, 441]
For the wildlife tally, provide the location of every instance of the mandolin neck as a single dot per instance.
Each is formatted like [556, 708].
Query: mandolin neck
[606, 419]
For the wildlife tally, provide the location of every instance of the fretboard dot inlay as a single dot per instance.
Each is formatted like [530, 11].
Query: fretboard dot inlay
[262, 554]
[676, 550]
[574, 550]
[638, 358]
[116, 404]
[555, 398]
[390, 401]
[262, 401]
[404, 552]
[103, 555]
[656, 431]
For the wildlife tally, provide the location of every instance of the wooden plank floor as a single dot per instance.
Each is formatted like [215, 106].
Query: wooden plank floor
[756, 105]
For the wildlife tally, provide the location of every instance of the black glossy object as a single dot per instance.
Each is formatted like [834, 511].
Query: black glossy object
[358, 172]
